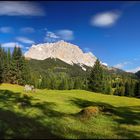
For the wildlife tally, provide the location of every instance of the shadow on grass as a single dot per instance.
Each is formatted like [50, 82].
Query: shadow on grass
[47, 109]
[127, 115]
[122, 115]
[8, 97]
[15, 125]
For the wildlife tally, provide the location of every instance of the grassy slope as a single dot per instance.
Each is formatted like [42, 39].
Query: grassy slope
[52, 114]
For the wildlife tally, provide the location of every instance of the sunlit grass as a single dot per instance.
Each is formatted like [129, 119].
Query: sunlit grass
[53, 114]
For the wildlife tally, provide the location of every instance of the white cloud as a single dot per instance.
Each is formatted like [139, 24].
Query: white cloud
[65, 34]
[20, 8]
[121, 65]
[27, 30]
[105, 64]
[6, 29]
[51, 35]
[58, 35]
[105, 19]
[25, 40]
[134, 70]
[11, 45]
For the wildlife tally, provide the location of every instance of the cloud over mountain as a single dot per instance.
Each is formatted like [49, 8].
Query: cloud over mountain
[133, 70]
[121, 65]
[63, 34]
[66, 34]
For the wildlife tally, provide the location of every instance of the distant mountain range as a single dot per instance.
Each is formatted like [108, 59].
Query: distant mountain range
[63, 56]
[67, 52]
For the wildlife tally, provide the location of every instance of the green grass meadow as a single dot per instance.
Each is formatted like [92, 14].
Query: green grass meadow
[53, 114]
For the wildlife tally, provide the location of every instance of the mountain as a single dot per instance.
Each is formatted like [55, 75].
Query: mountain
[138, 74]
[56, 66]
[54, 72]
[67, 52]
[64, 57]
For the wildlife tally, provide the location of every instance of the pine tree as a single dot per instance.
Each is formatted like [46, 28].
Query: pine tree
[77, 83]
[19, 72]
[25, 72]
[108, 88]
[127, 88]
[1, 80]
[7, 67]
[1, 65]
[64, 84]
[4, 64]
[137, 89]
[96, 81]
[70, 83]
[120, 91]
[130, 88]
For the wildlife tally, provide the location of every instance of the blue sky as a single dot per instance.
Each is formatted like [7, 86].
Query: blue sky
[110, 30]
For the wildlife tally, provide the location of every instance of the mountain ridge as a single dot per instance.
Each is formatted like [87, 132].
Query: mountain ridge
[67, 52]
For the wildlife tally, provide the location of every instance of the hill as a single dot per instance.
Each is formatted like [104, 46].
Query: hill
[54, 114]
[57, 66]
[54, 67]
[137, 74]
[53, 73]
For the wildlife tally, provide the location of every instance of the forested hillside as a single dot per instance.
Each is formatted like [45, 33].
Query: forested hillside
[56, 74]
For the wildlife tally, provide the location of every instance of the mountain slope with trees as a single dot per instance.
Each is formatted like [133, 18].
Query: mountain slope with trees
[56, 74]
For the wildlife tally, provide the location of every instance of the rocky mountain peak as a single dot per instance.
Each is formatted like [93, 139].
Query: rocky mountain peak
[67, 52]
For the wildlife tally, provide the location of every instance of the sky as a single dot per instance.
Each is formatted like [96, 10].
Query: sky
[110, 30]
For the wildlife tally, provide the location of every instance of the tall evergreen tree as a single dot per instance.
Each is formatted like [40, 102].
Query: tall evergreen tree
[7, 67]
[127, 88]
[137, 89]
[96, 81]
[1, 67]
[19, 73]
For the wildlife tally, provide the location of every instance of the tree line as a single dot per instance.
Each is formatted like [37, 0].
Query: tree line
[15, 69]
[102, 81]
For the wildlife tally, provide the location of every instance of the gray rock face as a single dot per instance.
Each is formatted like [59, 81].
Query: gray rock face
[62, 50]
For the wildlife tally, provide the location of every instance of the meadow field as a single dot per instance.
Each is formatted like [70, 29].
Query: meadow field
[55, 114]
